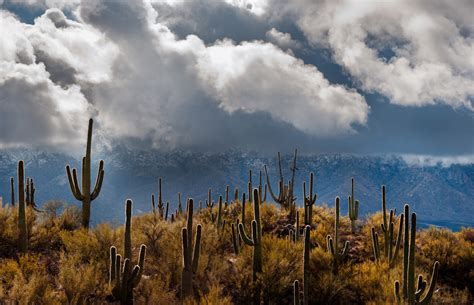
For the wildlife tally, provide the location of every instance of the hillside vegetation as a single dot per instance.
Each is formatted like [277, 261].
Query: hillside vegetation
[241, 248]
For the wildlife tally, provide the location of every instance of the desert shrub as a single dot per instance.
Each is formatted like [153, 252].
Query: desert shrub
[81, 282]
[456, 256]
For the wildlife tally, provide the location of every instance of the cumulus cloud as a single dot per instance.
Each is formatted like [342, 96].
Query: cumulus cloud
[35, 110]
[414, 52]
[283, 40]
[118, 63]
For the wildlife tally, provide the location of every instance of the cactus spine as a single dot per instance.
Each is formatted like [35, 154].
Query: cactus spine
[256, 237]
[412, 295]
[388, 233]
[22, 227]
[125, 279]
[86, 196]
[353, 208]
[285, 196]
[190, 255]
[333, 244]
[309, 201]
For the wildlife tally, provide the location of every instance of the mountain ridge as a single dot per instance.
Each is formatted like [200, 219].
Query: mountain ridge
[440, 194]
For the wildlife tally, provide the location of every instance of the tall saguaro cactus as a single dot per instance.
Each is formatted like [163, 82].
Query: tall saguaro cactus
[190, 255]
[256, 237]
[353, 208]
[86, 195]
[333, 244]
[411, 294]
[12, 191]
[306, 274]
[22, 227]
[309, 201]
[123, 277]
[286, 194]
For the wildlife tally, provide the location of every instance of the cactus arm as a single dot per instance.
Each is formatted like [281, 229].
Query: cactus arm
[141, 263]
[244, 236]
[390, 241]
[330, 245]
[399, 239]
[375, 244]
[197, 249]
[219, 214]
[99, 181]
[345, 250]
[397, 292]
[167, 208]
[296, 292]
[72, 184]
[434, 278]
[272, 194]
[406, 241]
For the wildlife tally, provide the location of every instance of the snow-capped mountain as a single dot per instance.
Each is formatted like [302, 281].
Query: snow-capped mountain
[440, 194]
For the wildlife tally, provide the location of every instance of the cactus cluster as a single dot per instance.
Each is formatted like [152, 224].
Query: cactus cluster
[285, 196]
[333, 244]
[387, 228]
[422, 293]
[309, 201]
[86, 196]
[353, 208]
[122, 277]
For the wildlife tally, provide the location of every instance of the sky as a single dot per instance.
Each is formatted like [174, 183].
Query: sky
[363, 77]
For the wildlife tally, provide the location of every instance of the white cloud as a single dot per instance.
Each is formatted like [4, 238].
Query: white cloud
[444, 161]
[117, 62]
[283, 40]
[257, 76]
[60, 4]
[34, 110]
[432, 43]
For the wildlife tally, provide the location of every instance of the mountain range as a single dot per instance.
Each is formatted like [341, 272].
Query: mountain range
[440, 194]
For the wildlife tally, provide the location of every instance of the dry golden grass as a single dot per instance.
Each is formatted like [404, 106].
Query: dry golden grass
[68, 265]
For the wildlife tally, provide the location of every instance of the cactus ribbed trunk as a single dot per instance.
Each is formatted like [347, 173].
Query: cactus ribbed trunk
[22, 227]
[83, 193]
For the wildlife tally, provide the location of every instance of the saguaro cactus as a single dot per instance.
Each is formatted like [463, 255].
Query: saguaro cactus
[86, 196]
[333, 244]
[22, 227]
[12, 191]
[309, 201]
[123, 278]
[262, 190]
[256, 237]
[388, 233]
[412, 295]
[285, 196]
[353, 208]
[30, 192]
[306, 274]
[190, 255]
